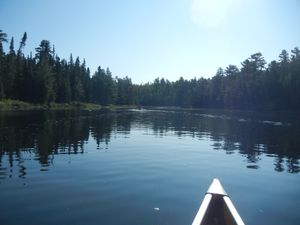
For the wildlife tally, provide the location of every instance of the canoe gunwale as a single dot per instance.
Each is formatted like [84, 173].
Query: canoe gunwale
[202, 210]
[233, 211]
[216, 191]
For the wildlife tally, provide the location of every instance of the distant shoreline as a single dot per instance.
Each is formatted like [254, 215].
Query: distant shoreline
[16, 105]
[11, 105]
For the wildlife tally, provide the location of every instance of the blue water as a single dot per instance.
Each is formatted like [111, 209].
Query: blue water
[146, 166]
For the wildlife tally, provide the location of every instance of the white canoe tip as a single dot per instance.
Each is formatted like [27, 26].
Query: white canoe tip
[216, 188]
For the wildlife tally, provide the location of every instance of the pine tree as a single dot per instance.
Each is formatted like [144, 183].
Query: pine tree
[10, 72]
[3, 38]
[44, 74]
[22, 43]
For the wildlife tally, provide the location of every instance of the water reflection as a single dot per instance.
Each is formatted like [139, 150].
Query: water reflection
[41, 136]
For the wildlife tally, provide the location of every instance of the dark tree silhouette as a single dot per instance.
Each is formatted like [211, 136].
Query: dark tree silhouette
[47, 78]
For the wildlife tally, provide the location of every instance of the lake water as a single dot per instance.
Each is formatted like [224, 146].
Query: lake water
[146, 166]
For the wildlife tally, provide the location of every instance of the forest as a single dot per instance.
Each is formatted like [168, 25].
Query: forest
[44, 78]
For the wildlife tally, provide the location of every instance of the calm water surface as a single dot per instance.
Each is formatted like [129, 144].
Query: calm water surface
[119, 167]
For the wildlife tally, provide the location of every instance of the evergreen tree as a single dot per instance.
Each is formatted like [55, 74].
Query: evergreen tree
[10, 72]
[231, 70]
[124, 91]
[295, 54]
[43, 74]
[22, 43]
[46, 78]
[254, 63]
[21, 88]
[3, 38]
[11, 47]
[2, 95]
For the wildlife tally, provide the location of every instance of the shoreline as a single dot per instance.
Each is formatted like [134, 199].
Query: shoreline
[16, 105]
[11, 105]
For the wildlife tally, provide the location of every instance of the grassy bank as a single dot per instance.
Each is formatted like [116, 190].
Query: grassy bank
[16, 105]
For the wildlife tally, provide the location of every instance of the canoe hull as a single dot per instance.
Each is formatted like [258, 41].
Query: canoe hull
[217, 208]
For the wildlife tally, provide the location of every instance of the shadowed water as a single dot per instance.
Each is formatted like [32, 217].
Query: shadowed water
[146, 166]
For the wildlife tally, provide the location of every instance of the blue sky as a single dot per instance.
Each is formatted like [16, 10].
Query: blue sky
[156, 38]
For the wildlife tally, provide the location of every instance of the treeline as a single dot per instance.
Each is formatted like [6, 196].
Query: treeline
[254, 86]
[45, 77]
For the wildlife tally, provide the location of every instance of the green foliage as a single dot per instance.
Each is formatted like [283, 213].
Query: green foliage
[44, 83]
[254, 63]
[22, 43]
[2, 96]
[47, 79]
[10, 104]
[103, 87]
[125, 91]
[3, 38]
[253, 87]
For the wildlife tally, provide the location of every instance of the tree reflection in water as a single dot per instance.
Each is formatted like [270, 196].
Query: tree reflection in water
[41, 135]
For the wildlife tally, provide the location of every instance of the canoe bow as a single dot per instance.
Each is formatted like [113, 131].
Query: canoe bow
[217, 208]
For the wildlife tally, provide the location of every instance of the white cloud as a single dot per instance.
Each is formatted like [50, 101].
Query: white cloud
[210, 13]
